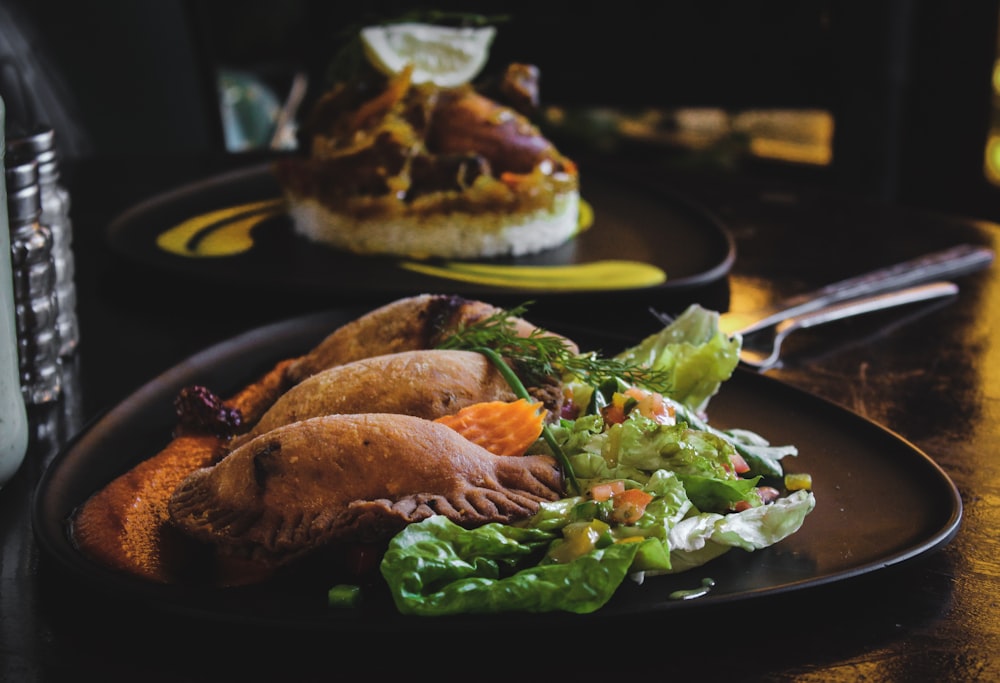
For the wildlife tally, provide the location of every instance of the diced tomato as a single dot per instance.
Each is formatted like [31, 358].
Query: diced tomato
[651, 405]
[629, 505]
[614, 412]
[604, 491]
[739, 464]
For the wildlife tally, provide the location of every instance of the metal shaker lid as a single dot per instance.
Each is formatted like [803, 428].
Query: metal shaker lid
[24, 199]
[38, 143]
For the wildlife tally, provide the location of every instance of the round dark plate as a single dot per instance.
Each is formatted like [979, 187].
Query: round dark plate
[658, 230]
[880, 501]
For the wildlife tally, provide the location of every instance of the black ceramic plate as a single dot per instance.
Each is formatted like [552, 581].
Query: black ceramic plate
[178, 232]
[860, 524]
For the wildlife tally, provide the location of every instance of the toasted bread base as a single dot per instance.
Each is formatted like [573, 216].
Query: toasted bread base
[455, 235]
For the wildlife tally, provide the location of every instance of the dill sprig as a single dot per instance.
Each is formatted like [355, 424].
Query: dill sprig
[521, 392]
[543, 354]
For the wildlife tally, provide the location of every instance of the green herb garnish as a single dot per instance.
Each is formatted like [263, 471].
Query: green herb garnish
[521, 392]
[344, 595]
[542, 354]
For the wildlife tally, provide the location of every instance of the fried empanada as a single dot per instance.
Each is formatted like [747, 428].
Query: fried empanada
[126, 524]
[357, 478]
[415, 322]
[423, 383]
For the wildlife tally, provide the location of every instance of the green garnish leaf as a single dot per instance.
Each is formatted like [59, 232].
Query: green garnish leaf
[344, 595]
[521, 392]
[543, 354]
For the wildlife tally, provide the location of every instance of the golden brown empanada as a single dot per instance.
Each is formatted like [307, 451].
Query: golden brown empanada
[359, 477]
[415, 322]
[423, 383]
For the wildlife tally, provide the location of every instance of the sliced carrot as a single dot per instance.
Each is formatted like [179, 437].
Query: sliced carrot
[501, 428]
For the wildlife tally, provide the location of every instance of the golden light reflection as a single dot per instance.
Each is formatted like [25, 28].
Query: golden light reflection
[798, 136]
[991, 155]
[801, 136]
[750, 294]
[986, 338]
[992, 165]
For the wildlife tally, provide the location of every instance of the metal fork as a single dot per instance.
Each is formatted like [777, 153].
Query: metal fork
[761, 349]
[941, 265]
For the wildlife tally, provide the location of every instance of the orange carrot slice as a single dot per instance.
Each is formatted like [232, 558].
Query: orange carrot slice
[501, 428]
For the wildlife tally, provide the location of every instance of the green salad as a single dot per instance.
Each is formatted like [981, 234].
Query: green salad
[652, 487]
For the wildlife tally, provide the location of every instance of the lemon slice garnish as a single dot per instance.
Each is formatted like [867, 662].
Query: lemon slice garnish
[445, 56]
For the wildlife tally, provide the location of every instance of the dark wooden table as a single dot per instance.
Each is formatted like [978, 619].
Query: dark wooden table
[931, 377]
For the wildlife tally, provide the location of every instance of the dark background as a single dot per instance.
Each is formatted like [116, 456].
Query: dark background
[907, 81]
[130, 88]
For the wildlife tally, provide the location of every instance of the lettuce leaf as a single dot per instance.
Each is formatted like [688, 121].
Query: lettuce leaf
[700, 358]
[701, 538]
[640, 446]
[436, 567]
[698, 355]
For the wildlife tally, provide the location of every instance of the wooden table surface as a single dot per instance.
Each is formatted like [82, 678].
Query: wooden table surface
[932, 378]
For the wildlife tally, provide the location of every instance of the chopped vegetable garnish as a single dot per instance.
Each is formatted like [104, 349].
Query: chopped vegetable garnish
[651, 488]
[501, 428]
[797, 481]
[344, 595]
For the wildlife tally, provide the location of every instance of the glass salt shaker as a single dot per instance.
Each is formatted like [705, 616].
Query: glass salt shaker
[13, 413]
[34, 276]
[38, 143]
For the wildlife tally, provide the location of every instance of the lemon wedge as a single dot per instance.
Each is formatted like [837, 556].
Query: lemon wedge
[445, 56]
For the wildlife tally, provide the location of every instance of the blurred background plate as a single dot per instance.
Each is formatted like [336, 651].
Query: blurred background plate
[656, 230]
